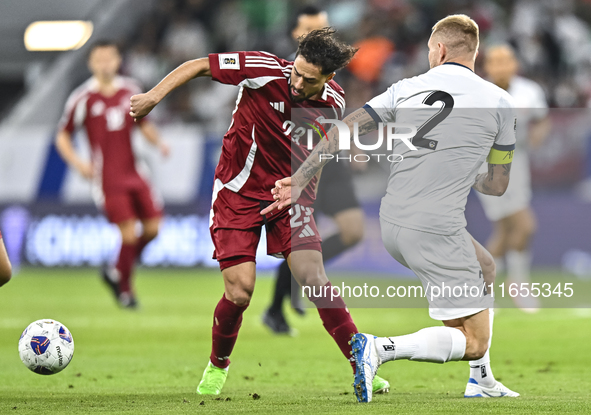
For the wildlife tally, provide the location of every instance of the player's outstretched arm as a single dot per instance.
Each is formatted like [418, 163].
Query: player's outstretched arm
[288, 190]
[495, 181]
[5, 267]
[142, 104]
[65, 148]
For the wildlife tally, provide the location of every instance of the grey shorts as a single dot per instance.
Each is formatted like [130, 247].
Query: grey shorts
[446, 265]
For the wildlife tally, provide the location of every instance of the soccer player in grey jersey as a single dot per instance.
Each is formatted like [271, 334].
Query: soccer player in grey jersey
[461, 120]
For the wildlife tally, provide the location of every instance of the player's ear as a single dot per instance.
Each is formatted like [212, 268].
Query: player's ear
[329, 77]
[442, 49]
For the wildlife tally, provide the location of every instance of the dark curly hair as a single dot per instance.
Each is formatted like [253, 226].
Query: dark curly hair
[321, 48]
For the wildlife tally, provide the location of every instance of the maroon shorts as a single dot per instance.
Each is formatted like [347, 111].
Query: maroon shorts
[136, 203]
[237, 223]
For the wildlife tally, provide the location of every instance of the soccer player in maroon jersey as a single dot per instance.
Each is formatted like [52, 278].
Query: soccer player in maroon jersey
[256, 151]
[335, 198]
[5, 267]
[100, 106]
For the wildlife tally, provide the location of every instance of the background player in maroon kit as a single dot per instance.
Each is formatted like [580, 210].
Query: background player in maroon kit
[100, 105]
[5, 267]
[257, 150]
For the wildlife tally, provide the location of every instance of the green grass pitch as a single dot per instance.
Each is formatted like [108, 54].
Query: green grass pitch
[150, 361]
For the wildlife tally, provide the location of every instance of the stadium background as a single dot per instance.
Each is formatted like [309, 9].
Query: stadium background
[151, 361]
[46, 211]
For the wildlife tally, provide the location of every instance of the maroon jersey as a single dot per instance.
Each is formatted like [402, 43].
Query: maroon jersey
[109, 127]
[259, 147]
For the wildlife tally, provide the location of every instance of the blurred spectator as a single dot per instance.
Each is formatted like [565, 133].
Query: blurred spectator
[146, 66]
[552, 39]
[185, 38]
[369, 60]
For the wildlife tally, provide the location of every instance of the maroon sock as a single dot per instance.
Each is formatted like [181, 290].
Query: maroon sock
[139, 247]
[227, 319]
[125, 266]
[336, 320]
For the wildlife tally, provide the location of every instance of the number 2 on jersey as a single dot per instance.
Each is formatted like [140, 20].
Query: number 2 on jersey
[448, 104]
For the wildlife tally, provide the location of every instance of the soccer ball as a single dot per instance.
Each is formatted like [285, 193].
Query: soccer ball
[46, 347]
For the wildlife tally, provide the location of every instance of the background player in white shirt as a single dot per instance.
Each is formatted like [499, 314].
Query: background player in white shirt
[513, 220]
[461, 120]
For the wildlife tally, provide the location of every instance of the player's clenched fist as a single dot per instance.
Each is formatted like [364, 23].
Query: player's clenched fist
[141, 105]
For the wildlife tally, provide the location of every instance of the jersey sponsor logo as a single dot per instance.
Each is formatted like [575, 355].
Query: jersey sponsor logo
[279, 106]
[229, 61]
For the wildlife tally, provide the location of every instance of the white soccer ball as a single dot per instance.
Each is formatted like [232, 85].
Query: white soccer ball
[46, 347]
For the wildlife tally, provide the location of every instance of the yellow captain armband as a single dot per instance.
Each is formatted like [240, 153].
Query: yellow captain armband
[501, 154]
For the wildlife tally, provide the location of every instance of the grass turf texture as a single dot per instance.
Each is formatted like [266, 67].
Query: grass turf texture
[150, 361]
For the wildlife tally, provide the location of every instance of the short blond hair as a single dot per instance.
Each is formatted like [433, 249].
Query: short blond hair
[459, 33]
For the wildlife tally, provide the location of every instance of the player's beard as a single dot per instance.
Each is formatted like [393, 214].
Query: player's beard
[297, 98]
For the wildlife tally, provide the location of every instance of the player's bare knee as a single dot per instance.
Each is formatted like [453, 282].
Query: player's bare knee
[5, 277]
[308, 281]
[352, 235]
[529, 229]
[150, 230]
[308, 269]
[149, 235]
[519, 240]
[310, 277]
[129, 239]
[128, 232]
[239, 294]
[351, 225]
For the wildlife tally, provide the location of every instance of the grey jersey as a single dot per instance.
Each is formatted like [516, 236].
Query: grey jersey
[459, 118]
